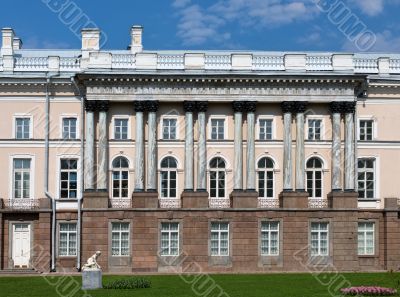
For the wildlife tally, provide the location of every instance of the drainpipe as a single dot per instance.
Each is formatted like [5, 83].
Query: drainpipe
[46, 175]
[81, 176]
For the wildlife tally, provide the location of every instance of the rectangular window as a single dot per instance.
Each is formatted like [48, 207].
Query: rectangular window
[120, 239]
[121, 129]
[366, 129]
[269, 238]
[366, 238]
[366, 178]
[314, 129]
[169, 129]
[219, 239]
[169, 239]
[67, 243]
[217, 129]
[265, 129]
[68, 178]
[319, 239]
[22, 128]
[22, 178]
[69, 128]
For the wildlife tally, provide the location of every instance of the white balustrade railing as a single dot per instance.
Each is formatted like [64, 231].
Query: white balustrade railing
[69, 64]
[268, 203]
[31, 64]
[317, 203]
[123, 61]
[170, 61]
[170, 202]
[22, 203]
[268, 63]
[1, 64]
[319, 63]
[366, 65]
[121, 202]
[219, 203]
[218, 62]
[394, 65]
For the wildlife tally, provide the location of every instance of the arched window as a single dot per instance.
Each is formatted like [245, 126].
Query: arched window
[314, 177]
[168, 177]
[120, 177]
[366, 178]
[217, 178]
[265, 168]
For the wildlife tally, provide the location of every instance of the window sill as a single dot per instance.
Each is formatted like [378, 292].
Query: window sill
[67, 200]
[369, 199]
[368, 256]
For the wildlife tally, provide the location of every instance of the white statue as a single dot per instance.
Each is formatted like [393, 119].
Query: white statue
[92, 262]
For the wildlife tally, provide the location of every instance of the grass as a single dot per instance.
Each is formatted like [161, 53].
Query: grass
[251, 285]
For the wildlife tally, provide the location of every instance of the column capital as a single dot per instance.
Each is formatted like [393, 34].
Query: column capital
[287, 106]
[336, 107]
[349, 106]
[202, 106]
[151, 105]
[251, 106]
[189, 106]
[139, 106]
[239, 106]
[300, 106]
[103, 105]
[90, 105]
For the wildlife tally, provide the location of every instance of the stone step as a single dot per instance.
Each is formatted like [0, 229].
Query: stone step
[18, 271]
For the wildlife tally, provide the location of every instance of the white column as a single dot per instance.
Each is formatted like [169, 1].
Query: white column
[349, 108]
[139, 147]
[189, 108]
[336, 109]
[300, 160]
[238, 107]
[202, 150]
[102, 175]
[287, 108]
[152, 107]
[90, 107]
[251, 153]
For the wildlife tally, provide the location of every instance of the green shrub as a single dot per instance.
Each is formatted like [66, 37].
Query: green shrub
[128, 284]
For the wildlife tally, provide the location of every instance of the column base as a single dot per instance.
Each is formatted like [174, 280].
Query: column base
[293, 199]
[94, 199]
[145, 199]
[343, 199]
[391, 203]
[244, 199]
[198, 199]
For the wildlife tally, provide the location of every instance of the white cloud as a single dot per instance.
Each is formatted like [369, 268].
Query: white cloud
[370, 7]
[36, 42]
[198, 24]
[386, 41]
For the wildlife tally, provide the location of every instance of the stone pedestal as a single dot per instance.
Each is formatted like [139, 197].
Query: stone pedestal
[244, 199]
[95, 199]
[92, 279]
[145, 200]
[391, 204]
[291, 199]
[342, 199]
[195, 199]
[44, 203]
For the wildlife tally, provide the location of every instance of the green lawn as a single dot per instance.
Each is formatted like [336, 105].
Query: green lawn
[268, 285]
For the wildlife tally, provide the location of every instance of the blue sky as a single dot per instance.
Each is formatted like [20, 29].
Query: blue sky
[273, 25]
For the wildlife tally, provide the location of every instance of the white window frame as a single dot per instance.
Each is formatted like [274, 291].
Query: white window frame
[319, 232]
[120, 232]
[376, 176]
[14, 125]
[161, 128]
[374, 127]
[273, 176]
[11, 175]
[313, 170]
[68, 239]
[169, 232]
[218, 117]
[269, 230]
[161, 169]
[315, 117]
[121, 117]
[58, 179]
[217, 169]
[365, 231]
[273, 127]
[112, 169]
[219, 231]
[68, 116]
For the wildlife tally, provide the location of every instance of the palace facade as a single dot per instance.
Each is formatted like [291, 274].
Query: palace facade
[190, 161]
